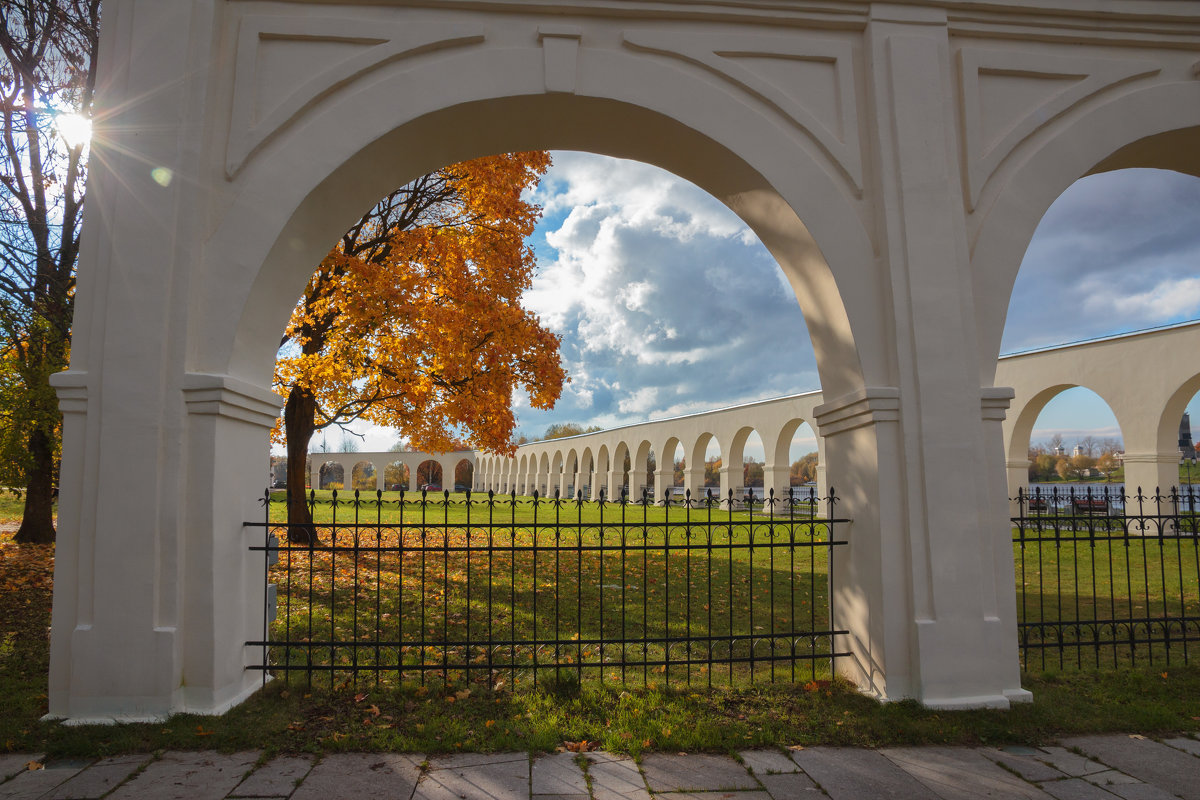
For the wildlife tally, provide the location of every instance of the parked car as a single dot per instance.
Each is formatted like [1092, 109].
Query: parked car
[460, 487]
[396, 487]
[431, 487]
[279, 484]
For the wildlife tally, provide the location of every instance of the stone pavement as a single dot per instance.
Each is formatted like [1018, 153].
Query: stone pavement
[1084, 768]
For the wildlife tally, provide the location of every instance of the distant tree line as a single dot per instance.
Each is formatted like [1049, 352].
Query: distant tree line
[1090, 458]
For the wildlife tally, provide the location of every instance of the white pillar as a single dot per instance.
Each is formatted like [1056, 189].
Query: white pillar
[732, 477]
[1153, 473]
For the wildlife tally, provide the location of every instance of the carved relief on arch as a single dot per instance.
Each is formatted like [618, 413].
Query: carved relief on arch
[809, 81]
[1009, 95]
[285, 65]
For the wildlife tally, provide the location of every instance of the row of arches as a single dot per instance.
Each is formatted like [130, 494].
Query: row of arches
[1147, 396]
[389, 471]
[714, 451]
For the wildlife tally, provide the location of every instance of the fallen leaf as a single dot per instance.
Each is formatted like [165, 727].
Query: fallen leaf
[33, 766]
[795, 747]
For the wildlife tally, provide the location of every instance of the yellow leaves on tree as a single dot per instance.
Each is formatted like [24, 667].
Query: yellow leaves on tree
[414, 320]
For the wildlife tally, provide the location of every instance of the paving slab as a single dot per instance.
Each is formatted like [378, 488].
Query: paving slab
[1070, 763]
[497, 777]
[846, 773]
[692, 773]
[1110, 777]
[959, 773]
[460, 760]
[788, 785]
[558, 774]
[616, 777]
[277, 778]
[1140, 791]
[351, 776]
[187, 776]
[1025, 764]
[1076, 789]
[763, 762]
[36, 783]
[1185, 744]
[100, 778]
[1147, 760]
[12, 763]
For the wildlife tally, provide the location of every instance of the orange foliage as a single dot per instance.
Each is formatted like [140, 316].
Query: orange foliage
[414, 320]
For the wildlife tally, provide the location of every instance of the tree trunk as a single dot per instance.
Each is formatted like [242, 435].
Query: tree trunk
[37, 523]
[299, 424]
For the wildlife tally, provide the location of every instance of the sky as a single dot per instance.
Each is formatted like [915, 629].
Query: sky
[667, 304]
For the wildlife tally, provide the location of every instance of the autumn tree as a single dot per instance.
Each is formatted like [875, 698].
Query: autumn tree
[47, 78]
[803, 470]
[712, 472]
[561, 430]
[752, 472]
[413, 320]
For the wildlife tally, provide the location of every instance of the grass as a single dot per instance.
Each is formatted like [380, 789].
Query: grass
[1143, 698]
[589, 592]
[1086, 599]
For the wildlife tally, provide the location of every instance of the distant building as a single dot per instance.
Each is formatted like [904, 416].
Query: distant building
[1186, 448]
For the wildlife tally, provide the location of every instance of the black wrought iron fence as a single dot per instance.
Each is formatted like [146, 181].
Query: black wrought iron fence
[1105, 579]
[510, 590]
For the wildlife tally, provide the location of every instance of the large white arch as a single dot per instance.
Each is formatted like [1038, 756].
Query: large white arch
[866, 125]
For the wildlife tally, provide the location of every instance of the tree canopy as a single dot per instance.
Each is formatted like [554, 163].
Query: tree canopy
[414, 321]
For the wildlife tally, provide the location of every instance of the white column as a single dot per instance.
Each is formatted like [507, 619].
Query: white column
[1151, 472]
[732, 477]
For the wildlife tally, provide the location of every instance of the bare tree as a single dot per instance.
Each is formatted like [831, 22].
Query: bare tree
[46, 85]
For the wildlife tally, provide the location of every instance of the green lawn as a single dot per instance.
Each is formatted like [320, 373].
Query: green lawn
[459, 712]
[612, 594]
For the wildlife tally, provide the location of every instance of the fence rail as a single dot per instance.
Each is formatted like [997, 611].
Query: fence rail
[509, 590]
[1105, 579]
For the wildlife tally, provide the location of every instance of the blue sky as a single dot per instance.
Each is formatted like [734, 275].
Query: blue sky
[667, 303]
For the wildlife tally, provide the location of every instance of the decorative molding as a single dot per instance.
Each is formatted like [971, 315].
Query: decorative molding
[995, 401]
[226, 396]
[71, 386]
[1037, 88]
[341, 51]
[560, 53]
[808, 81]
[866, 406]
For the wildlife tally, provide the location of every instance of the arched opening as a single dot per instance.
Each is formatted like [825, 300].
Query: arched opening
[396, 477]
[753, 466]
[709, 449]
[603, 469]
[429, 475]
[464, 475]
[363, 476]
[543, 475]
[1071, 437]
[798, 451]
[331, 476]
[587, 469]
[1184, 435]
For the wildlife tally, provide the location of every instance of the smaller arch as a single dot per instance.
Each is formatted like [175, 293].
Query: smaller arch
[543, 476]
[331, 475]
[397, 476]
[363, 476]
[464, 475]
[429, 475]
